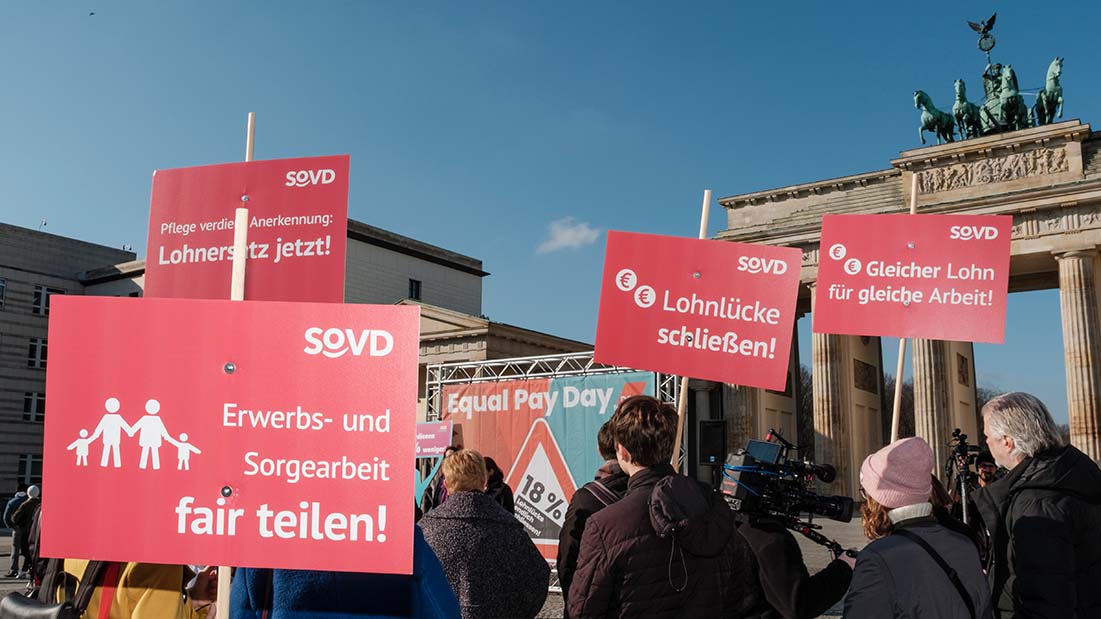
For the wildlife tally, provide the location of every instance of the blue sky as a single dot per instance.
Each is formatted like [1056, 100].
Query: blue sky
[476, 126]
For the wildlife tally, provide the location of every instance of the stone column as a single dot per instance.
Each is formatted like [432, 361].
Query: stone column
[931, 405]
[830, 438]
[1078, 300]
[740, 412]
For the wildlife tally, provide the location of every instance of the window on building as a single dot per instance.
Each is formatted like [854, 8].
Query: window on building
[3, 291]
[42, 299]
[34, 406]
[36, 353]
[415, 289]
[30, 469]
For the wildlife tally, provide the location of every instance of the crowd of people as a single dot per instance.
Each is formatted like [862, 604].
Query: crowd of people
[641, 540]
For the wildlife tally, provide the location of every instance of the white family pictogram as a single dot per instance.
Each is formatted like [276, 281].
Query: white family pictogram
[151, 432]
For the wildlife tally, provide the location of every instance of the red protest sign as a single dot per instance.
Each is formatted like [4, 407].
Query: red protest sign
[310, 432]
[433, 438]
[707, 309]
[943, 277]
[298, 227]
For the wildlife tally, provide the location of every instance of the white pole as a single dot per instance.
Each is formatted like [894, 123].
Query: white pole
[682, 400]
[897, 412]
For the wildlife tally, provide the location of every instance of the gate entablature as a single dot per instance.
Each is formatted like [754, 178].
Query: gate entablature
[1048, 178]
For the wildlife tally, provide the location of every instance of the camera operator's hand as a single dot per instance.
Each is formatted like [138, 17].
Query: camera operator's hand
[849, 557]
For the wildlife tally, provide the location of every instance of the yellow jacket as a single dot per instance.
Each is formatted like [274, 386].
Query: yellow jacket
[144, 591]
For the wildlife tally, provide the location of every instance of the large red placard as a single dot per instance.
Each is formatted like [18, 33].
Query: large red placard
[297, 456]
[707, 309]
[298, 228]
[943, 277]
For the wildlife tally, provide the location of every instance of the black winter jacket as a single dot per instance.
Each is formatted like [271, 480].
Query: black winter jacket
[897, 578]
[784, 588]
[491, 563]
[1044, 520]
[626, 570]
[583, 504]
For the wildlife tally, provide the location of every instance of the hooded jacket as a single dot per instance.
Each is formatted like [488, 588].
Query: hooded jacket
[1043, 519]
[491, 563]
[582, 506]
[13, 504]
[626, 569]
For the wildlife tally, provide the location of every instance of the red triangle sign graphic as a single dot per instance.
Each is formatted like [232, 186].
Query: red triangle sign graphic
[543, 486]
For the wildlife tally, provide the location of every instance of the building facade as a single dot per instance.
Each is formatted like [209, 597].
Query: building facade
[34, 266]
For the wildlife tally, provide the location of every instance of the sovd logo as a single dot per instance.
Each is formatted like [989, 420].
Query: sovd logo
[301, 178]
[754, 264]
[973, 233]
[334, 343]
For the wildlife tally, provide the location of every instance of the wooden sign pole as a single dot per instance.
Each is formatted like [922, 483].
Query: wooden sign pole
[237, 293]
[682, 400]
[897, 411]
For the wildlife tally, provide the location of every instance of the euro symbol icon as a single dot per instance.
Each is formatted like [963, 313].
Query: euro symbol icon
[645, 296]
[626, 280]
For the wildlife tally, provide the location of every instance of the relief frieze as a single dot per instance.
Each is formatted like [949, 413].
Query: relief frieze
[1036, 162]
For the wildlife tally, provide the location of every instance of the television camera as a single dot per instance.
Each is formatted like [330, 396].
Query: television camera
[762, 482]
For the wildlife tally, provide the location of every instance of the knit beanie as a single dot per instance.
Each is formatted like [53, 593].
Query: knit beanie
[899, 474]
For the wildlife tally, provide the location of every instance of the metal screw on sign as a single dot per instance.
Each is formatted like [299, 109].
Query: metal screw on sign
[688, 338]
[230, 367]
[696, 275]
[227, 491]
[244, 198]
[906, 302]
[910, 245]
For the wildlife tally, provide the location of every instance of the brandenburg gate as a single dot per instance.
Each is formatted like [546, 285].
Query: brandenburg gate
[1048, 178]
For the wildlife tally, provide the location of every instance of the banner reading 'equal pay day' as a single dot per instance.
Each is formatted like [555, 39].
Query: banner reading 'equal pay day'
[542, 433]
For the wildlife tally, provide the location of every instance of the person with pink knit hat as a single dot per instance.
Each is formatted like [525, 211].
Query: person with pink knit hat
[914, 566]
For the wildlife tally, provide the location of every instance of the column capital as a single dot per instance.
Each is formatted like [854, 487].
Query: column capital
[1087, 253]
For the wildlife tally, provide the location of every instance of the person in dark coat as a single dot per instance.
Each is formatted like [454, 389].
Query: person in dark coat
[1043, 516]
[497, 488]
[492, 564]
[783, 588]
[22, 520]
[668, 548]
[17, 549]
[302, 594]
[899, 574]
[608, 486]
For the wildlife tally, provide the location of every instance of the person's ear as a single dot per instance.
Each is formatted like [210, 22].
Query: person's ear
[622, 454]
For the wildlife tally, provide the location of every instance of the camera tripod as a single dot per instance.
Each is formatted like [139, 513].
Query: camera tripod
[957, 467]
